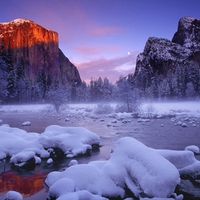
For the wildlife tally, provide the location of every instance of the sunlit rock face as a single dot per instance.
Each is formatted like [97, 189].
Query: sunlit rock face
[36, 48]
[160, 56]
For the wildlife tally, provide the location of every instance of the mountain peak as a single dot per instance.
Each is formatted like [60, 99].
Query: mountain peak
[187, 33]
[21, 21]
[18, 21]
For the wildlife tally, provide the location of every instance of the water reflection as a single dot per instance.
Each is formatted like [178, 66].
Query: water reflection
[30, 183]
[26, 184]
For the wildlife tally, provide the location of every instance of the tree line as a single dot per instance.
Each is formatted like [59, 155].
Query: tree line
[181, 82]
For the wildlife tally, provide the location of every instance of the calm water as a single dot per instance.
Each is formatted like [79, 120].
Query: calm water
[30, 184]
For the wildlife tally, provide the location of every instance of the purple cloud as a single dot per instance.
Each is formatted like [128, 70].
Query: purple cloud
[111, 68]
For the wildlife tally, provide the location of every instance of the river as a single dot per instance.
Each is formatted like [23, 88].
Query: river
[155, 133]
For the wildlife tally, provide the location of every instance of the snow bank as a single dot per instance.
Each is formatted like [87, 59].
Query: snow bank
[190, 108]
[132, 165]
[22, 146]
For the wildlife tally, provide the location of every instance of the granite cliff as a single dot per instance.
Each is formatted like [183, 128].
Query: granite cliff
[37, 48]
[171, 68]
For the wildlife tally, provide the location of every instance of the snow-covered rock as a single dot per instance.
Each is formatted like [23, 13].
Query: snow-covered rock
[67, 119]
[193, 148]
[49, 161]
[126, 121]
[21, 145]
[184, 161]
[25, 159]
[72, 162]
[26, 123]
[13, 195]
[131, 164]
[173, 119]
[184, 125]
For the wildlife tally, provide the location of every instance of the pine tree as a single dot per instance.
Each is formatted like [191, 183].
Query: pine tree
[41, 84]
[11, 82]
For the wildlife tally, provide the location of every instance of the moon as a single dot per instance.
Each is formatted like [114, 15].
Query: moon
[129, 53]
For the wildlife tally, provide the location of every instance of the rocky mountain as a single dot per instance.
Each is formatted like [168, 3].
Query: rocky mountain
[171, 68]
[35, 55]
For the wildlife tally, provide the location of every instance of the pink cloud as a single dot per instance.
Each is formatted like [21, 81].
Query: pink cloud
[110, 68]
[101, 31]
[88, 50]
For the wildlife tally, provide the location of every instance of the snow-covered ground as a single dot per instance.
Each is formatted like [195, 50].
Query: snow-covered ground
[145, 171]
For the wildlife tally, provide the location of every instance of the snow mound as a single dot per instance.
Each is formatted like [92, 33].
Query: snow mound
[132, 165]
[193, 148]
[152, 173]
[184, 161]
[13, 195]
[22, 146]
[26, 123]
[22, 158]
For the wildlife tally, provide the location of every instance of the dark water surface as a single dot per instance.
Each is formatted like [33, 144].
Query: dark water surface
[157, 133]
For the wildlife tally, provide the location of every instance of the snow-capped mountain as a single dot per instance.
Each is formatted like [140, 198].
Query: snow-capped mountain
[162, 59]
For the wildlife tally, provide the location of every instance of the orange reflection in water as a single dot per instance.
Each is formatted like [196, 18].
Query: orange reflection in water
[26, 185]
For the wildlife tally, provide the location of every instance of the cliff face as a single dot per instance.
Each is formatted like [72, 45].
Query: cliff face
[188, 33]
[162, 57]
[36, 48]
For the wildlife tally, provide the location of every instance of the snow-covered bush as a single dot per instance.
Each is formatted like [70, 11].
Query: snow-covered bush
[103, 109]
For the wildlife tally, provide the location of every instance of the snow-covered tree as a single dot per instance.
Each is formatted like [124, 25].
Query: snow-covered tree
[3, 82]
[58, 97]
[41, 85]
[127, 96]
[190, 91]
[83, 93]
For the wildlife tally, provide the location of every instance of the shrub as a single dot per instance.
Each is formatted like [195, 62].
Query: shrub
[103, 109]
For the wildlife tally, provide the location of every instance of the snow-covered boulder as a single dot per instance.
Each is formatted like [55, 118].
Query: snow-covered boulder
[50, 161]
[184, 161]
[55, 142]
[67, 119]
[132, 165]
[72, 162]
[184, 125]
[13, 195]
[24, 159]
[26, 123]
[15, 140]
[71, 140]
[83, 177]
[152, 173]
[193, 148]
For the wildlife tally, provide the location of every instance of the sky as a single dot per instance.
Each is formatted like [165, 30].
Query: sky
[102, 38]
